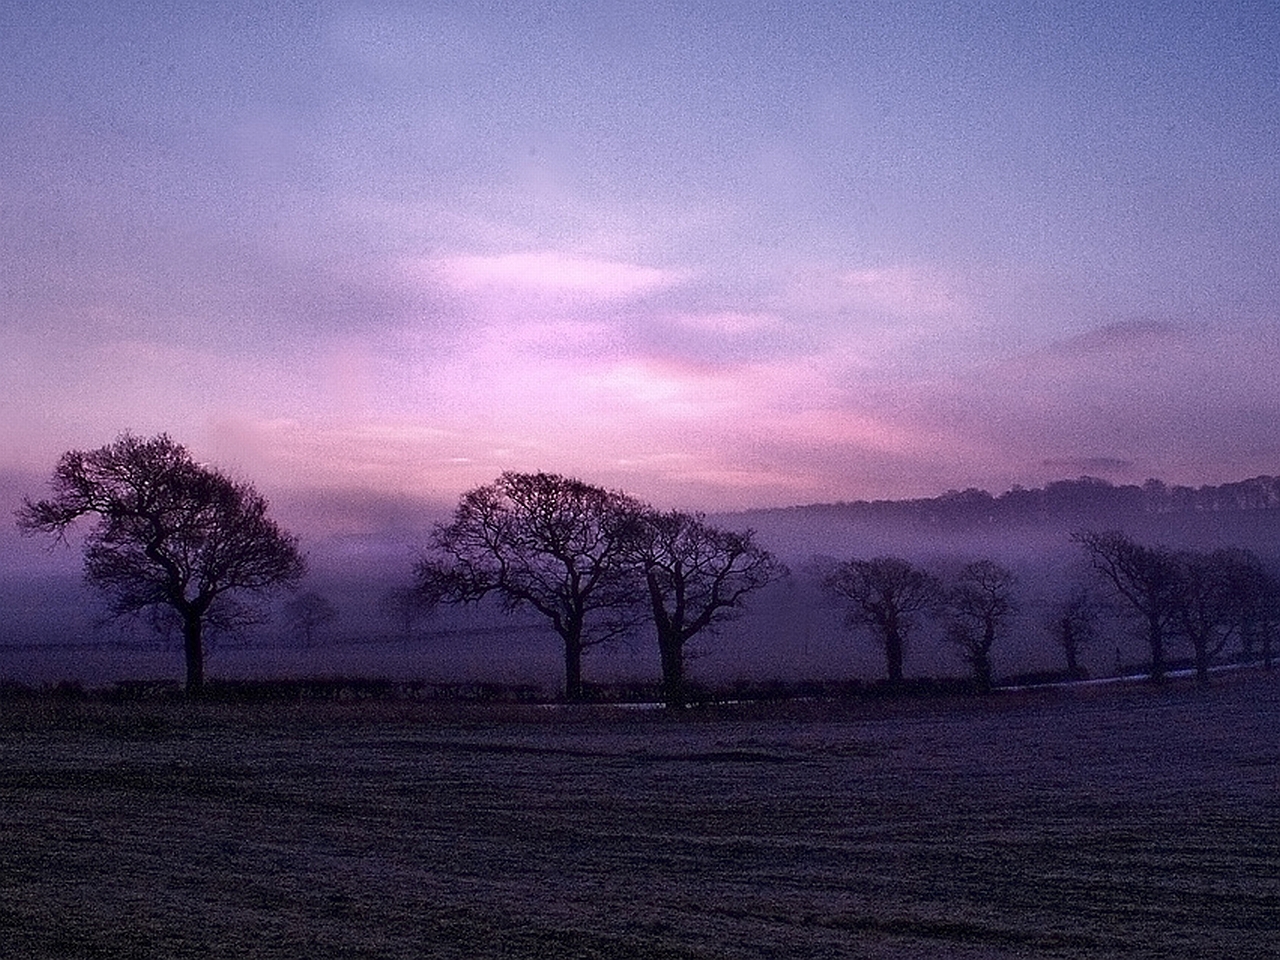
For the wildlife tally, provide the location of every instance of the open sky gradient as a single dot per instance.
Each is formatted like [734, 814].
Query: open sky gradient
[716, 254]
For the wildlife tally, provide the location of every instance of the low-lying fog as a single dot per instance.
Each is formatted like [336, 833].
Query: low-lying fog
[51, 629]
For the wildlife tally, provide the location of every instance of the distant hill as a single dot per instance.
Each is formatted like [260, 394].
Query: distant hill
[1021, 523]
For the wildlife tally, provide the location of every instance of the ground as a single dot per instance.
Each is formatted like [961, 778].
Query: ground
[1128, 821]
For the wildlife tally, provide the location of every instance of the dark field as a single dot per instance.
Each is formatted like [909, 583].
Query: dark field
[1123, 821]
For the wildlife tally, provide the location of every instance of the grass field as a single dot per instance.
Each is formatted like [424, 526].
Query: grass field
[1125, 821]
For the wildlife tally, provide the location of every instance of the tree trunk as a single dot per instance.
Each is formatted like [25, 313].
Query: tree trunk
[985, 682]
[573, 671]
[1155, 640]
[1072, 649]
[982, 672]
[893, 655]
[193, 648]
[1202, 662]
[673, 690]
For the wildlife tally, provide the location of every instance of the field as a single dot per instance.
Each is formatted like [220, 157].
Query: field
[1121, 821]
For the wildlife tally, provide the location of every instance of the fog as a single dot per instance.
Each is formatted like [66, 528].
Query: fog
[52, 628]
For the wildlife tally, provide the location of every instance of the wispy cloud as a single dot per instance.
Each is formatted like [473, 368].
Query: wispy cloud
[1092, 466]
[906, 290]
[1128, 336]
[550, 274]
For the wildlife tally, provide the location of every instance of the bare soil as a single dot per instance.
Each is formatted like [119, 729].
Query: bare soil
[1124, 821]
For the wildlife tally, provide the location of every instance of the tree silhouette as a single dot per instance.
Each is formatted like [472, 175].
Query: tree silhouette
[307, 613]
[1147, 579]
[979, 604]
[697, 575]
[553, 543]
[405, 605]
[171, 534]
[1258, 606]
[1072, 621]
[885, 594]
[1217, 602]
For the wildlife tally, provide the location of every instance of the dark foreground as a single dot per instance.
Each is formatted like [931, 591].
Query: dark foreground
[1126, 821]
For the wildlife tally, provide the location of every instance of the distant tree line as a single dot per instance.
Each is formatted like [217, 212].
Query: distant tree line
[191, 547]
[1080, 498]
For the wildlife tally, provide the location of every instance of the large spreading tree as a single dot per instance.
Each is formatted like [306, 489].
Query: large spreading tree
[695, 575]
[544, 541]
[171, 535]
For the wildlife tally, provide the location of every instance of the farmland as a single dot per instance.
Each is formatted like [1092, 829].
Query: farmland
[1056, 824]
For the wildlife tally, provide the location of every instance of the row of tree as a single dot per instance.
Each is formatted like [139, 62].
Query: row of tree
[1205, 599]
[186, 543]
[594, 563]
[1081, 498]
[193, 547]
[887, 594]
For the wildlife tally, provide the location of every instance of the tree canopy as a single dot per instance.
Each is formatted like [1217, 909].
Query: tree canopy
[171, 535]
[980, 602]
[549, 542]
[696, 575]
[885, 594]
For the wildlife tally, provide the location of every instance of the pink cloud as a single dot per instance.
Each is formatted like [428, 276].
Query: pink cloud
[906, 290]
[552, 274]
[731, 323]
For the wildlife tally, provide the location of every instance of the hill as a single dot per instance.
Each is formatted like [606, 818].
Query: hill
[1022, 524]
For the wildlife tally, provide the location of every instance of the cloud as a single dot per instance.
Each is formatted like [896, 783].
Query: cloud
[1170, 400]
[1107, 466]
[549, 274]
[1129, 336]
[906, 290]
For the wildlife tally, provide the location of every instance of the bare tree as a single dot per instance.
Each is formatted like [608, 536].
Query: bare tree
[171, 534]
[697, 575]
[307, 613]
[1147, 579]
[886, 594]
[1218, 602]
[1072, 621]
[553, 543]
[1258, 607]
[979, 605]
[405, 605]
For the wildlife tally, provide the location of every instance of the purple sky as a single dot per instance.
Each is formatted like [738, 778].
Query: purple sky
[716, 254]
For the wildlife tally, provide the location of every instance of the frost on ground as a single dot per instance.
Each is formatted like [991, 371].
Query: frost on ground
[1136, 822]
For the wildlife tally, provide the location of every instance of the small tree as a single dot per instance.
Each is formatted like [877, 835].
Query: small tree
[979, 604]
[1147, 579]
[696, 575]
[1073, 622]
[404, 605]
[549, 542]
[171, 534]
[886, 594]
[307, 613]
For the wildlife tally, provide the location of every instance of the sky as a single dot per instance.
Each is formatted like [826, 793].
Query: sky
[718, 255]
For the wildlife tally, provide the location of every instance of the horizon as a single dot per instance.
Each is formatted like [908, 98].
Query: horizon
[720, 258]
[397, 522]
